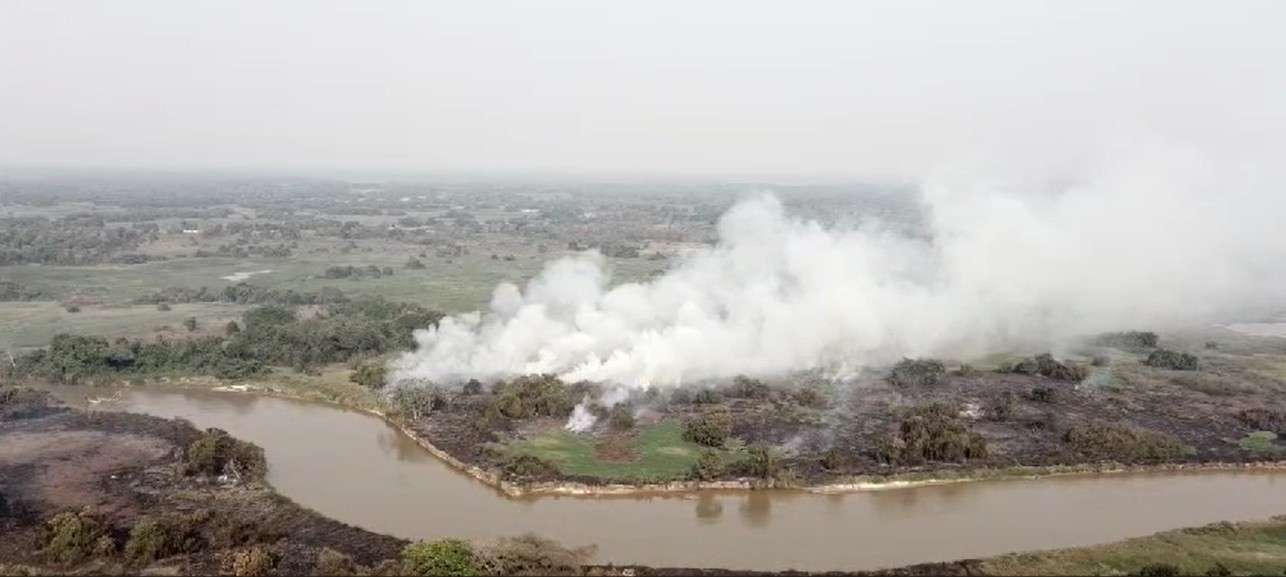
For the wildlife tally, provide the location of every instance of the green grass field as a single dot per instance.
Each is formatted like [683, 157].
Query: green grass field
[34, 324]
[662, 454]
[1245, 549]
[461, 285]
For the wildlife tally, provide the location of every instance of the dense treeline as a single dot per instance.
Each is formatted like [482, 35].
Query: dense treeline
[269, 335]
[243, 294]
[71, 240]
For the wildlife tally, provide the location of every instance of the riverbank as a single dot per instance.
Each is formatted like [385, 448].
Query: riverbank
[367, 403]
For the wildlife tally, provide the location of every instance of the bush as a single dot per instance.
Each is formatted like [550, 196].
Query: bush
[709, 466]
[534, 396]
[1159, 570]
[532, 555]
[369, 375]
[190, 324]
[163, 307]
[215, 453]
[762, 462]
[711, 429]
[1167, 359]
[442, 557]
[254, 562]
[473, 387]
[524, 466]
[1128, 340]
[707, 397]
[1043, 394]
[1264, 419]
[1104, 441]
[933, 432]
[146, 542]
[1000, 407]
[416, 401]
[621, 418]
[73, 309]
[834, 459]
[748, 388]
[1046, 366]
[810, 398]
[332, 562]
[231, 328]
[917, 372]
[104, 547]
[71, 537]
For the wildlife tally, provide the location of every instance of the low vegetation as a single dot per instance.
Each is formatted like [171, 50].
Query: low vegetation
[1167, 359]
[1107, 441]
[918, 373]
[932, 432]
[1046, 366]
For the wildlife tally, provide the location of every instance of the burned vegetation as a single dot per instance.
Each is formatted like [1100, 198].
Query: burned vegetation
[1120, 398]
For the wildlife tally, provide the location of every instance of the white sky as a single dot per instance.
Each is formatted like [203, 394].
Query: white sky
[810, 87]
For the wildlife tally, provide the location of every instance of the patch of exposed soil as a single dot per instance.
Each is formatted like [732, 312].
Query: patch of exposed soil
[617, 447]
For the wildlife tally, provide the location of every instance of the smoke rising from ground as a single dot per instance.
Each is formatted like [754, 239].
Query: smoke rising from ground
[1146, 236]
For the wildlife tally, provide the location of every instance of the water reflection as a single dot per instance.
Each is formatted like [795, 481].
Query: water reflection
[709, 508]
[756, 507]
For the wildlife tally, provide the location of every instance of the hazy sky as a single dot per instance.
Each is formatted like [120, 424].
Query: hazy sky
[867, 88]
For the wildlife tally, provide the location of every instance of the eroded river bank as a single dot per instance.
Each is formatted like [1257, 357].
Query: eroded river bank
[358, 469]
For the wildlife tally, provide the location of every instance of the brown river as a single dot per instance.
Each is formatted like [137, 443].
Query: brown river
[358, 469]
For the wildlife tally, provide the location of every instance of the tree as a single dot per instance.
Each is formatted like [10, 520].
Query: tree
[709, 466]
[369, 375]
[711, 429]
[190, 323]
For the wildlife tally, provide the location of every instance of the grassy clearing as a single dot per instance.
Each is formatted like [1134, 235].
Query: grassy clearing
[453, 285]
[1245, 549]
[662, 454]
[34, 324]
[1262, 442]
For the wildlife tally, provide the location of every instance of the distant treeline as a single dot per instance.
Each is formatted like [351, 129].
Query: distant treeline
[243, 294]
[268, 336]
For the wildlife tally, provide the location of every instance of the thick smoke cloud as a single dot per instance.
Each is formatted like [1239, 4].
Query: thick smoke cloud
[1144, 235]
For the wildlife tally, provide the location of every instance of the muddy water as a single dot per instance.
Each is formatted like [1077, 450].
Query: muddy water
[357, 469]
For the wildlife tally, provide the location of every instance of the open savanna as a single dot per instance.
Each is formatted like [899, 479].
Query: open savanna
[33, 324]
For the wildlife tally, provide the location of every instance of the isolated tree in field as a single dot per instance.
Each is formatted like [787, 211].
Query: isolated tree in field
[369, 375]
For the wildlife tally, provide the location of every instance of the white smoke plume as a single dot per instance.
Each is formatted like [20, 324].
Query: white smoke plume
[1145, 236]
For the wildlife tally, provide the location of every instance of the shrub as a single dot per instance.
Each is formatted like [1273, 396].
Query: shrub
[917, 372]
[1044, 394]
[332, 562]
[707, 397]
[709, 466]
[1103, 441]
[73, 309]
[70, 537]
[215, 452]
[416, 401]
[711, 429]
[1046, 366]
[535, 396]
[810, 398]
[190, 324]
[932, 432]
[104, 547]
[1000, 407]
[621, 418]
[1167, 359]
[748, 388]
[442, 557]
[834, 459]
[146, 542]
[254, 562]
[532, 555]
[1128, 340]
[1099, 361]
[473, 387]
[163, 307]
[524, 466]
[967, 370]
[1159, 570]
[762, 462]
[1264, 419]
[231, 328]
[369, 375]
